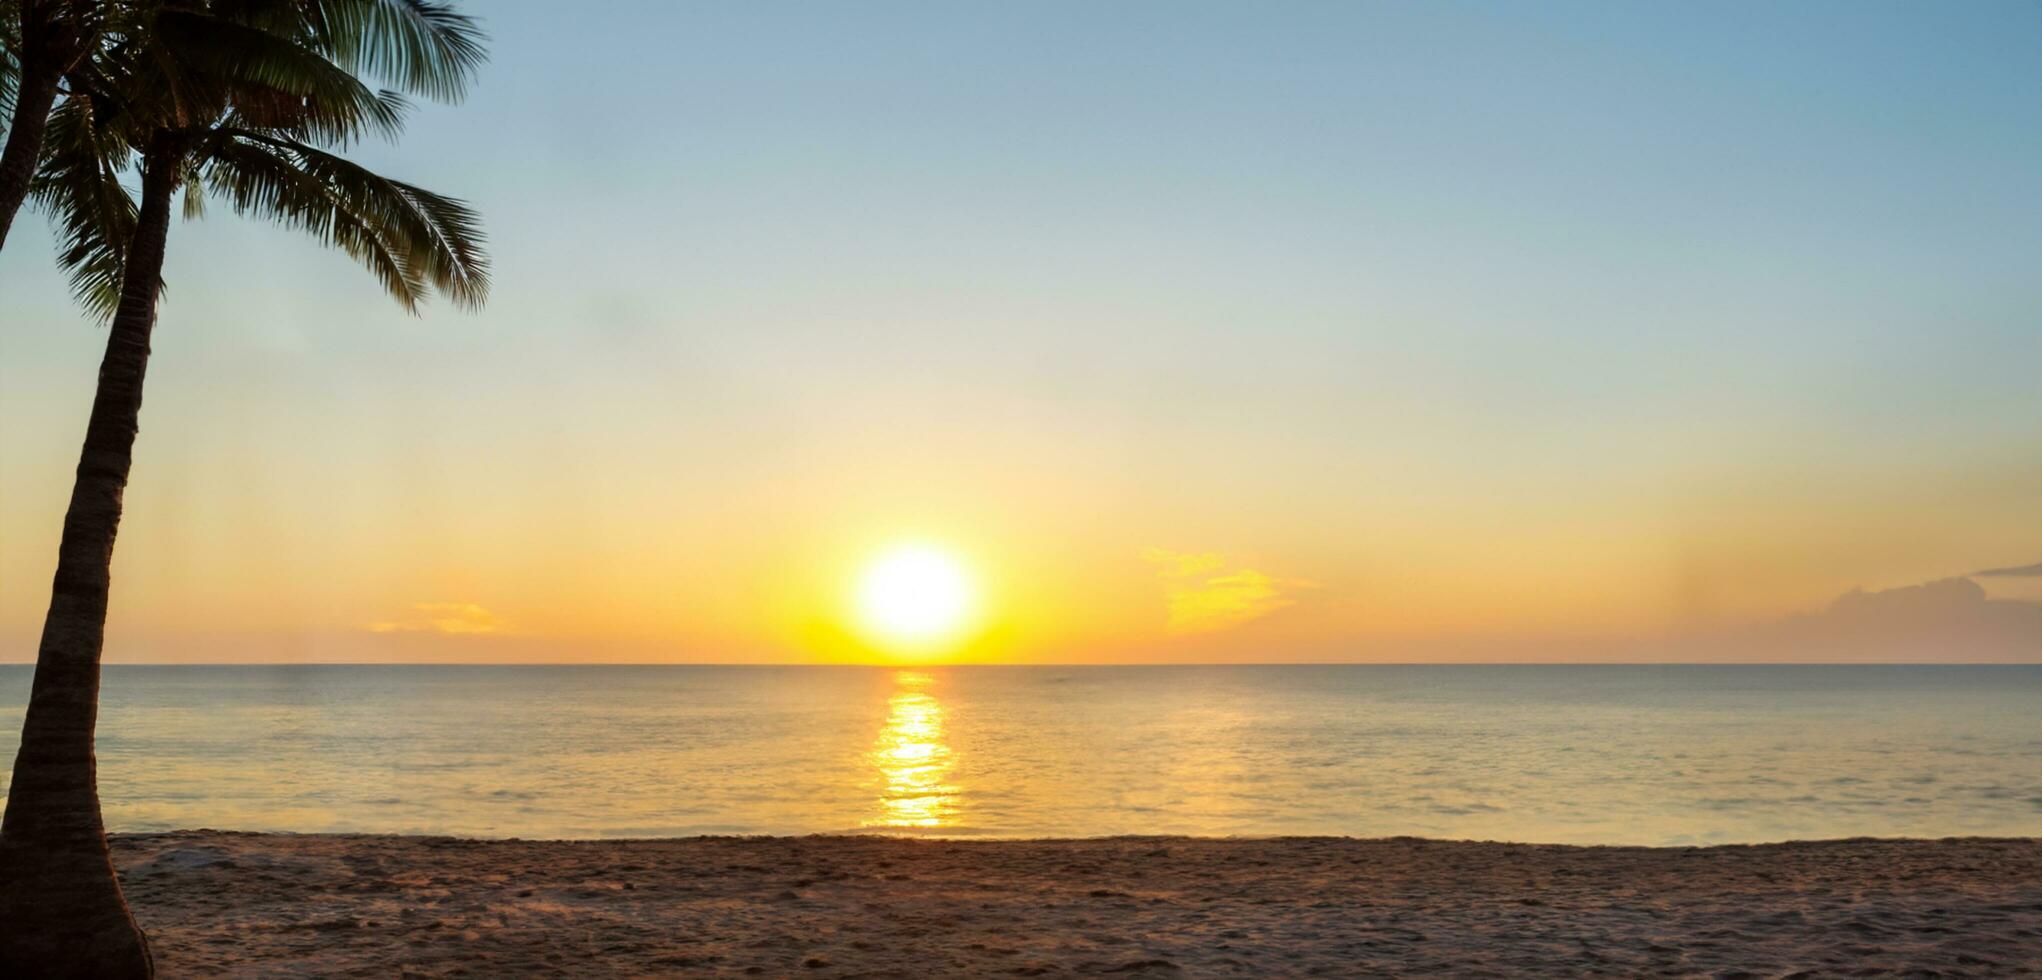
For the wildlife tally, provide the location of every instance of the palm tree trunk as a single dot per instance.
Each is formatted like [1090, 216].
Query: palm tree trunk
[61, 912]
[44, 52]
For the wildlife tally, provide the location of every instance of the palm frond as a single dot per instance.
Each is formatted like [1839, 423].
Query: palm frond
[424, 47]
[257, 94]
[79, 184]
[414, 241]
[194, 196]
[272, 77]
[253, 180]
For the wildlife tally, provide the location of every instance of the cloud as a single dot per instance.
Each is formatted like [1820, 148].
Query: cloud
[1929, 602]
[1203, 597]
[452, 618]
[2019, 571]
[1951, 620]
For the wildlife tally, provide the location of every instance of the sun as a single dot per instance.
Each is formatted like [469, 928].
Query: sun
[915, 598]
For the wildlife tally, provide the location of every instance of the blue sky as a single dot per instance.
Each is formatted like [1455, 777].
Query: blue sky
[1489, 318]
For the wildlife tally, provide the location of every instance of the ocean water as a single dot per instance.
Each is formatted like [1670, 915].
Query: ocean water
[1580, 754]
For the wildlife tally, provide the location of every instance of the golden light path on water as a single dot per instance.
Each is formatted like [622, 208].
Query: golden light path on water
[913, 760]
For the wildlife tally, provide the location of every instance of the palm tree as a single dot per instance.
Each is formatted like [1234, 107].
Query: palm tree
[244, 101]
[40, 41]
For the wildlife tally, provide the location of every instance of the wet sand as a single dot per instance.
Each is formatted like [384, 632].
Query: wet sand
[217, 903]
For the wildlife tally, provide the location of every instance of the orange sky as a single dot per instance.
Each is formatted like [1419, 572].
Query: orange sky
[1359, 332]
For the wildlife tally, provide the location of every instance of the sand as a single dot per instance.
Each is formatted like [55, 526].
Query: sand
[283, 905]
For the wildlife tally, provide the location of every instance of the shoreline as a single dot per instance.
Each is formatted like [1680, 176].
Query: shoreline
[237, 903]
[912, 834]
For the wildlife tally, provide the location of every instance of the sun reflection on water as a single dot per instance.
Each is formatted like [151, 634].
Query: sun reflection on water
[912, 759]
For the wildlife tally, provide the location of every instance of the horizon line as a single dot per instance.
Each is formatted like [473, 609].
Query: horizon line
[1173, 663]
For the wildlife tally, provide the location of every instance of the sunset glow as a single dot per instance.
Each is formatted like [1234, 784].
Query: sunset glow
[1230, 359]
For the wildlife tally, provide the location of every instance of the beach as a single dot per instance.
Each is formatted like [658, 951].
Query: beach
[235, 904]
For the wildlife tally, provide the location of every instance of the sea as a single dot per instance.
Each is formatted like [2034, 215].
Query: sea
[1659, 755]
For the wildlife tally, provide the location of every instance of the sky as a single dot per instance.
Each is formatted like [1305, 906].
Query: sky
[1273, 332]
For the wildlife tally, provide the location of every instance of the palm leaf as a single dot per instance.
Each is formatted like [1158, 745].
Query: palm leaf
[258, 92]
[423, 47]
[270, 76]
[79, 184]
[413, 241]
